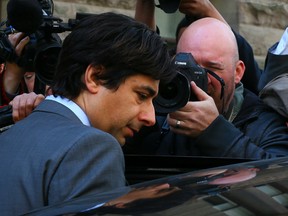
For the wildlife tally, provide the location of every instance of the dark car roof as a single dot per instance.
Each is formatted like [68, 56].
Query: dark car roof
[245, 188]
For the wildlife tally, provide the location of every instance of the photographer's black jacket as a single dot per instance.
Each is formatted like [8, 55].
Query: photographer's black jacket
[257, 132]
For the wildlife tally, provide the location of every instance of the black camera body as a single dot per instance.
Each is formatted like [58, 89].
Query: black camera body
[168, 6]
[41, 53]
[178, 92]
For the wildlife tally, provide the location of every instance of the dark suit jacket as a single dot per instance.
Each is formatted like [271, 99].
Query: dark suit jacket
[50, 156]
[275, 65]
[252, 73]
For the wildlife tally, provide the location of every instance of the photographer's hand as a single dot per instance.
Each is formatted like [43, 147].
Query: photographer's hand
[195, 116]
[200, 9]
[13, 74]
[24, 104]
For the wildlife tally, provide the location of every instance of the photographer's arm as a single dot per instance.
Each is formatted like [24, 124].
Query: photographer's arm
[145, 13]
[215, 136]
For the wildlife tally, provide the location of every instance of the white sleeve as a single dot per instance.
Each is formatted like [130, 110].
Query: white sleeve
[282, 47]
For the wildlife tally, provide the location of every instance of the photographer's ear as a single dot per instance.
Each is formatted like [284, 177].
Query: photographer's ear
[90, 80]
[239, 71]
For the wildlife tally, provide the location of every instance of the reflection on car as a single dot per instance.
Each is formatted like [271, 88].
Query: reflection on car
[246, 188]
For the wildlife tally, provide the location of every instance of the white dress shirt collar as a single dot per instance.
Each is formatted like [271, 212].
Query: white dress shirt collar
[72, 106]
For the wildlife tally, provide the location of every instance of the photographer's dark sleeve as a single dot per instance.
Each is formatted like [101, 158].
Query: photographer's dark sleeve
[275, 65]
[257, 132]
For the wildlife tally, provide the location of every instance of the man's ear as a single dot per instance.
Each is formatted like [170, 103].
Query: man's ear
[92, 84]
[239, 71]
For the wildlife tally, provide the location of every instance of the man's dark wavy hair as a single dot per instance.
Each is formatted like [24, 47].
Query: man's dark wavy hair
[122, 45]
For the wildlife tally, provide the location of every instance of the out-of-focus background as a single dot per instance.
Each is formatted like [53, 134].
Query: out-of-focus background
[261, 22]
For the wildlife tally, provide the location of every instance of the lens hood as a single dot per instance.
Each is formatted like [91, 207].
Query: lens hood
[173, 95]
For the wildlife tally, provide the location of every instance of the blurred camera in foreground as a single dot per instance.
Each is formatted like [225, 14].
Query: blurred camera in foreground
[35, 19]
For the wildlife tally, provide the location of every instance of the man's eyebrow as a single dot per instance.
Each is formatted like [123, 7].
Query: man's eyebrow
[150, 90]
[216, 65]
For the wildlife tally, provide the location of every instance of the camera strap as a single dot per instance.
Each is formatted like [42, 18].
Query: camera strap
[222, 82]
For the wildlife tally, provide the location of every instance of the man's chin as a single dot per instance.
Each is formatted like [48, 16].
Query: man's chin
[121, 140]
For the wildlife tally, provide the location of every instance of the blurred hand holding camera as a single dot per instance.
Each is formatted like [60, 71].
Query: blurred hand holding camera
[199, 9]
[14, 73]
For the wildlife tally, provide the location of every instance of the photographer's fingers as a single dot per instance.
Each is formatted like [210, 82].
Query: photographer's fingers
[200, 94]
[18, 107]
[20, 46]
[18, 41]
[194, 8]
[180, 114]
[195, 116]
[15, 38]
[38, 100]
[200, 9]
[30, 102]
[24, 104]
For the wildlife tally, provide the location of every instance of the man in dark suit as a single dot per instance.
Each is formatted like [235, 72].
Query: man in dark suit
[107, 76]
[273, 81]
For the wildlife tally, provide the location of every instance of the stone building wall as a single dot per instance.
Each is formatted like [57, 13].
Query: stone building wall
[261, 22]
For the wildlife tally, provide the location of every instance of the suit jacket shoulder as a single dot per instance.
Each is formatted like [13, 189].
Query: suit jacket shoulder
[50, 156]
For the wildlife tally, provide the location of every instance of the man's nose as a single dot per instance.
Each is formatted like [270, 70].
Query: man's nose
[147, 115]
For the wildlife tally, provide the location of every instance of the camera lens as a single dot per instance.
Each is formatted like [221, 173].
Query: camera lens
[173, 95]
[169, 91]
[45, 64]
